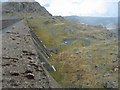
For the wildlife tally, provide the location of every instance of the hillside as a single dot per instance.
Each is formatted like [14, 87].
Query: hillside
[22, 8]
[84, 56]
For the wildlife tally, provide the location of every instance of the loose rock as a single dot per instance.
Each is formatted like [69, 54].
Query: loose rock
[30, 76]
[14, 73]
[111, 85]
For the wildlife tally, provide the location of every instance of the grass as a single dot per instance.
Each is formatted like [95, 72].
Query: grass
[77, 69]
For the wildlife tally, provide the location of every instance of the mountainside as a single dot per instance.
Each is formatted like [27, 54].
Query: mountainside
[24, 7]
[83, 56]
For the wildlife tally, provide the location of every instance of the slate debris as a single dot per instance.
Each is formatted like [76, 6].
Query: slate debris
[109, 84]
[30, 76]
[14, 73]
[20, 60]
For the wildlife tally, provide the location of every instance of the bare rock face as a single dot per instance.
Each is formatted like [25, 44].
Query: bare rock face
[25, 7]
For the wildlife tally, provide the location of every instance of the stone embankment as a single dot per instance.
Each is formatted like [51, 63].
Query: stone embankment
[21, 64]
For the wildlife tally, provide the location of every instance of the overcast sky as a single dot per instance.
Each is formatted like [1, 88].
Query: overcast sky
[81, 7]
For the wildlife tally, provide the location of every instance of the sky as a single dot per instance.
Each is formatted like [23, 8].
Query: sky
[99, 8]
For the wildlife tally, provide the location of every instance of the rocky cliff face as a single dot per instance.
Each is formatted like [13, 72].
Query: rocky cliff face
[24, 7]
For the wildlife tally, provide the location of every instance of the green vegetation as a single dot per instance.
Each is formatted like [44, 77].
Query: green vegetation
[86, 57]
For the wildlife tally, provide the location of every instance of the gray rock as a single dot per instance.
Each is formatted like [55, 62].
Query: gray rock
[96, 66]
[111, 85]
[106, 75]
[116, 69]
[14, 73]
[29, 58]
[17, 35]
[30, 76]
[25, 7]
[28, 71]
[24, 51]
[8, 32]
[77, 52]
[13, 27]
[30, 17]
[34, 64]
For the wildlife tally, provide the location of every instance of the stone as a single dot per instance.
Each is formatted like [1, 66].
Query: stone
[30, 17]
[106, 75]
[28, 35]
[77, 52]
[17, 35]
[110, 85]
[13, 38]
[32, 61]
[31, 53]
[5, 57]
[111, 71]
[39, 69]
[18, 43]
[8, 32]
[14, 60]
[30, 58]
[34, 64]
[14, 84]
[116, 69]
[6, 64]
[24, 51]
[14, 73]
[13, 27]
[30, 76]
[28, 71]
[115, 60]
[96, 66]
[4, 48]
[20, 56]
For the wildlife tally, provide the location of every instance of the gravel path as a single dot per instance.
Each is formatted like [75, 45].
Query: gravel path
[20, 64]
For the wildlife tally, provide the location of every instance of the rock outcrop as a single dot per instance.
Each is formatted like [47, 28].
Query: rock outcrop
[24, 7]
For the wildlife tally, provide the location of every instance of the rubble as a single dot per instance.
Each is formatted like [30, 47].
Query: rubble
[19, 61]
[14, 73]
[111, 85]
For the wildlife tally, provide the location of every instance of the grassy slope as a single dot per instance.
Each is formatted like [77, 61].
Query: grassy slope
[78, 69]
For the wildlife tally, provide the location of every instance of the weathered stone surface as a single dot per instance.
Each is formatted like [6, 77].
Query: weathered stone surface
[110, 85]
[13, 73]
[20, 60]
[30, 76]
[23, 7]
